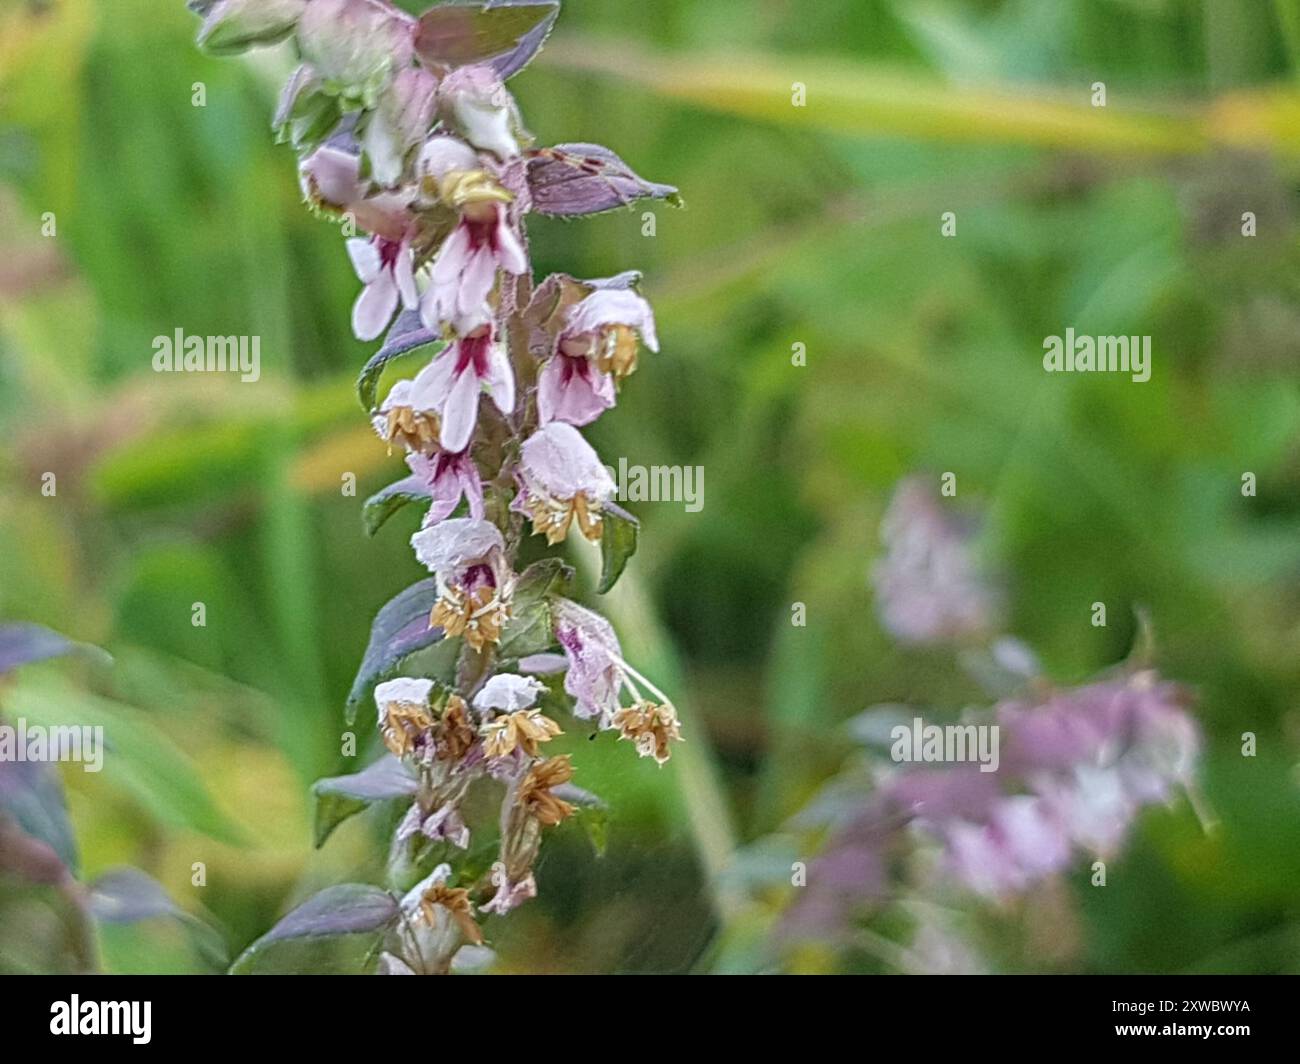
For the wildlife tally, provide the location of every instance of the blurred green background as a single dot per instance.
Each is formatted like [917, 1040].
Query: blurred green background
[817, 226]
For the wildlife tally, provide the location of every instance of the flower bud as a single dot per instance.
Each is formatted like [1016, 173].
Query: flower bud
[474, 101]
[231, 26]
[399, 122]
[355, 46]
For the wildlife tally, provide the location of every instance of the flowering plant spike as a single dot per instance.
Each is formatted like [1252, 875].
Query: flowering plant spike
[407, 137]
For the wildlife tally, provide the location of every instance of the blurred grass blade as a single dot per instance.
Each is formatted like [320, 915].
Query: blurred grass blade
[868, 100]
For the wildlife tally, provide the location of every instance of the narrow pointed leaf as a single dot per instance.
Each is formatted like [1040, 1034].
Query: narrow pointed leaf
[577, 179]
[407, 334]
[401, 628]
[128, 896]
[346, 909]
[383, 504]
[340, 797]
[617, 544]
[24, 643]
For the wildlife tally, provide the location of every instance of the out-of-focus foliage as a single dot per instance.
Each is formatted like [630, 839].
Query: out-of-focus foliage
[816, 226]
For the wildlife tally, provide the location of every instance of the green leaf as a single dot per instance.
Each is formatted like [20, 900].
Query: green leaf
[400, 630]
[305, 116]
[345, 909]
[340, 797]
[530, 630]
[617, 544]
[407, 334]
[383, 504]
[592, 814]
[137, 754]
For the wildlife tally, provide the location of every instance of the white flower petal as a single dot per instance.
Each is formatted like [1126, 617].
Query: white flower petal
[509, 693]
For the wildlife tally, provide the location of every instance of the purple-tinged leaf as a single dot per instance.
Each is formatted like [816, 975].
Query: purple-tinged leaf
[386, 502]
[577, 179]
[504, 34]
[128, 896]
[31, 800]
[345, 909]
[408, 334]
[401, 629]
[29, 859]
[21, 644]
[339, 797]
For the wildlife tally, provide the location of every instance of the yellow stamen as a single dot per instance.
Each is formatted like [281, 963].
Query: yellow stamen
[524, 730]
[404, 723]
[651, 727]
[478, 617]
[455, 734]
[455, 900]
[618, 351]
[465, 189]
[535, 790]
[552, 517]
[413, 430]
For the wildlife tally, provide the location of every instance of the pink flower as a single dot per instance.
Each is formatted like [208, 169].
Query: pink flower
[1022, 842]
[446, 823]
[510, 894]
[562, 480]
[387, 270]
[573, 390]
[465, 269]
[450, 386]
[508, 692]
[331, 179]
[450, 478]
[597, 347]
[606, 319]
[928, 587]
[1136, 727]
[483, 242]
[598, 676]
[398, 422]
[474, 582]
[595, 676]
